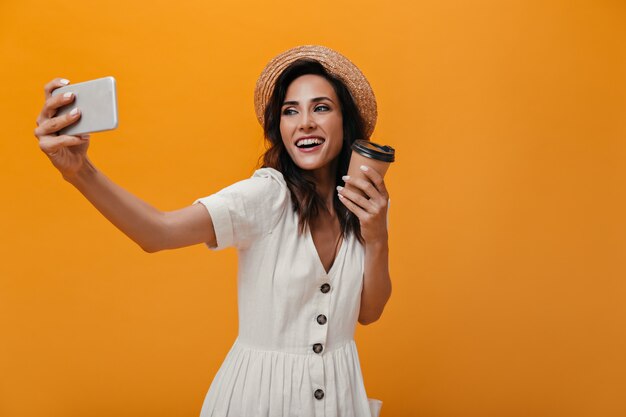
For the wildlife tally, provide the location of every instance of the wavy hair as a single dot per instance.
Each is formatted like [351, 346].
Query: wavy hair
[305, 200]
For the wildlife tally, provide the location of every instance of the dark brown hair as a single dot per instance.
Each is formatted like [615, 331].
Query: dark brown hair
[305, 200]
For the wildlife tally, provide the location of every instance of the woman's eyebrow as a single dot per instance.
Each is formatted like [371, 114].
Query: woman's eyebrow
[314, 100]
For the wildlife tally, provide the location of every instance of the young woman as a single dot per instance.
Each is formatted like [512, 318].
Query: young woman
[313, 256]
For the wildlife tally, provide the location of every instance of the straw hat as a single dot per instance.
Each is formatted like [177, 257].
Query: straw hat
[335, 64]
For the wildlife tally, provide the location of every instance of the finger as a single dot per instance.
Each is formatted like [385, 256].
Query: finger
[365, 186]
[53, 85]
[358, 211]
[377, 180]
[356, 198]
[50, 126]
[52, 145]
[53, 103]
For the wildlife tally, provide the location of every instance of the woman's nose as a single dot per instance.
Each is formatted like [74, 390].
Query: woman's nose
[307, 121]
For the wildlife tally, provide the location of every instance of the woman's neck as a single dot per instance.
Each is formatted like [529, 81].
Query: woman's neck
[325, 185]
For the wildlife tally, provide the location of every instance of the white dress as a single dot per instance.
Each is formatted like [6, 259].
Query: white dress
[295, 353]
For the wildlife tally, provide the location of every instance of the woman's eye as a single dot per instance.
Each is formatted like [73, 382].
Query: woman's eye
[322, 107]
[288, 111]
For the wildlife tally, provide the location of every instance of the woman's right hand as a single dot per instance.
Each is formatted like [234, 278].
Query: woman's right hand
[67, 153]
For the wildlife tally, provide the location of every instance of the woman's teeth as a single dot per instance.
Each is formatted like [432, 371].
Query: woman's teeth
[309, 143]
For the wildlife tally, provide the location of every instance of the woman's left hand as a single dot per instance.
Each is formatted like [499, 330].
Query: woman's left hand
[371, 210]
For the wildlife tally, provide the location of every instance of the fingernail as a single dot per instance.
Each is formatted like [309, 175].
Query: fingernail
[74, 112]
[85, 137]
[67, 95]
[363, 168]
[339, 188]
[345, 177]
[64, 81]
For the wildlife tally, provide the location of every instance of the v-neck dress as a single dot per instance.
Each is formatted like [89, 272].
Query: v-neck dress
[295, 353]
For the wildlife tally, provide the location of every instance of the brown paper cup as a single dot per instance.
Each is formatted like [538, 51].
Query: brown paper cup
[372, 155]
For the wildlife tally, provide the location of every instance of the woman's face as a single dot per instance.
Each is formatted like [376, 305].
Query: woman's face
[311, 123]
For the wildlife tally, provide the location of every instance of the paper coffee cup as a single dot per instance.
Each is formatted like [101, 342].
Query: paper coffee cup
[371, 154]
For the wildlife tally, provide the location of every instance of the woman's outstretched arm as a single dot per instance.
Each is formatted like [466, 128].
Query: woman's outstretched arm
[150, 228]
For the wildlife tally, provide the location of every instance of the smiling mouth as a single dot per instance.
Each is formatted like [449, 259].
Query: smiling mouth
[309, 143]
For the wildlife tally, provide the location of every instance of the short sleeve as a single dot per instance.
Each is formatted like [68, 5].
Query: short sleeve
[247, 210]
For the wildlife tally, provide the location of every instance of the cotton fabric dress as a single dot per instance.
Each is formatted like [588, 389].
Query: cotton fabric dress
[295, 353]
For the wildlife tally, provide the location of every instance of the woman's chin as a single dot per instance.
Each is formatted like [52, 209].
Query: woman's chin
[313, 165]
[307, 164]
[309, 167]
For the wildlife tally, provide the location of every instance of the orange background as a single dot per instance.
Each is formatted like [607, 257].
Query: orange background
[508, 215]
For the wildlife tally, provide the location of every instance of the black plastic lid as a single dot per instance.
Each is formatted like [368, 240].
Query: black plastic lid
[374, 151]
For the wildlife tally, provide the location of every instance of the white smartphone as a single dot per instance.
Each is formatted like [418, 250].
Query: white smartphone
[97, 101]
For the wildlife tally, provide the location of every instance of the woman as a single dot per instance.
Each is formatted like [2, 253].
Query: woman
[313, 256]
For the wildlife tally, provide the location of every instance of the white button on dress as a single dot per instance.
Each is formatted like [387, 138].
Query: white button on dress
[295, 353]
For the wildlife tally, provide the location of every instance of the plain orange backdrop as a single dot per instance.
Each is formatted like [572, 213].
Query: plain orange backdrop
[507, 227]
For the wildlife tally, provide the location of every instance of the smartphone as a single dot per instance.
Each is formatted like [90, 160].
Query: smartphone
[97, 101]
